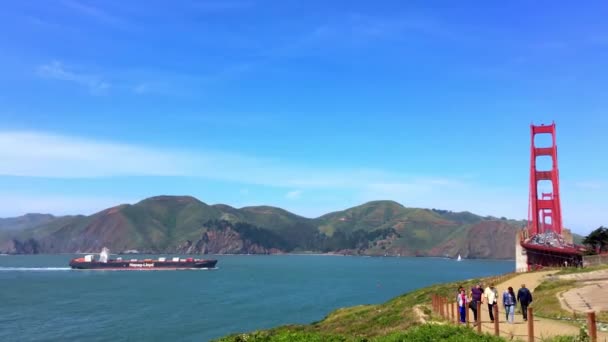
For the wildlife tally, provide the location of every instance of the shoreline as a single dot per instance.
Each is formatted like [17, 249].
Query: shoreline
[273, 254]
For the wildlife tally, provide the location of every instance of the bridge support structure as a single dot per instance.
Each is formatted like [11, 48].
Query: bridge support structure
[544, 213]
[541, 243]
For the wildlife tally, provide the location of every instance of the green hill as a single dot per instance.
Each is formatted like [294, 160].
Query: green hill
[21, 222]
[169, 224]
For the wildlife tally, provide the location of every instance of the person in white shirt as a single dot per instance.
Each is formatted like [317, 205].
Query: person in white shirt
[491, 295]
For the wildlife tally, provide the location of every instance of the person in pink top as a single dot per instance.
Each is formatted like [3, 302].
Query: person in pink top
[462, 305]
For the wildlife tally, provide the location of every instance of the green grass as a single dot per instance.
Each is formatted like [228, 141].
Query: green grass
[582, 337]
[423, 333]
[574, 270]
[546, 302]
[396, 320]
[371, 322]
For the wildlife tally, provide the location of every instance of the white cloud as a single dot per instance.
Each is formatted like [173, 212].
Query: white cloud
[141, 88]
[98, 14]
[292, 195]
[35, 154]
[56, 70]
[152, 88]
[592, 185]
[19, 204]
[453, 195]
[45, 155]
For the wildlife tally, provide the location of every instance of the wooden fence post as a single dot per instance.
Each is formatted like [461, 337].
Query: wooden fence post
[466, 309]
[437, 303]
[478, 317]
[530, 325]
[454, 318]
[447, 308]
[496, 319]
[592, 326]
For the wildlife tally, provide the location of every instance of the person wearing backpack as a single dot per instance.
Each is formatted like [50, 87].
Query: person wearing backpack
[525, 298]
[491, 295]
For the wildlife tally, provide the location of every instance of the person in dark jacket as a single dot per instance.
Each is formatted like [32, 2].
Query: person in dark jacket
[524, 297]
[476, 297]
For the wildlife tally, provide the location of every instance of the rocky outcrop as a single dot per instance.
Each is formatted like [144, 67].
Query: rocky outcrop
[14, 246]
[483, 240]
[491, 239]
[223, 241]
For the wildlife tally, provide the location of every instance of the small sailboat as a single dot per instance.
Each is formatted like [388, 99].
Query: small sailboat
[459, 258]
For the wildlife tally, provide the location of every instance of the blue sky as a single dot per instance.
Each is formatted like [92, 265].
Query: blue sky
[313, 106]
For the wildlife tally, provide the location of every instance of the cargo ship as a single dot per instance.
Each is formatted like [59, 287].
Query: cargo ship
[88, 262]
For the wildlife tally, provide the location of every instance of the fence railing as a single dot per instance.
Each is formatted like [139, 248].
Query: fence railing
[595, 260]
[448, 310]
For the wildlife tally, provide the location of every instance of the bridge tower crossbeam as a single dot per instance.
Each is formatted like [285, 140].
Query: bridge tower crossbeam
[544, 212]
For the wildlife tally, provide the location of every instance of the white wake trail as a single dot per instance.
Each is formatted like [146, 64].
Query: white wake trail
[35, 269]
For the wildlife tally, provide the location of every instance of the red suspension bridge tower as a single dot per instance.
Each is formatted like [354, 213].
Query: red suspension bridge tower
[545, 242]
[544, 212]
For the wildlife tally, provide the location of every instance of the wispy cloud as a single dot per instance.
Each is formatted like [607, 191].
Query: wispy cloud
[15, 204]
[36, 154]
[47, 155]
[56, 70]
[153, 88]
[358, 28]
[292, 195]
[592, 185]
[221, 5]
[96, 13]
[138, 82]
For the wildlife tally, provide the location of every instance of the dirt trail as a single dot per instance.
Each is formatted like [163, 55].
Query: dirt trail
[519, 329]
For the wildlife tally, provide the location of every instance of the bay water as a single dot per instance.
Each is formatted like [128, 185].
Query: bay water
[41, 299]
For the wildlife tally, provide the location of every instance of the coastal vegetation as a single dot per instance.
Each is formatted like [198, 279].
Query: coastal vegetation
[399, 319]
[597, 240]
[423, 333]
[408, 317]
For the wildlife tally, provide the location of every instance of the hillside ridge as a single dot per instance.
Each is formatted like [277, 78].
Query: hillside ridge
[169, 224]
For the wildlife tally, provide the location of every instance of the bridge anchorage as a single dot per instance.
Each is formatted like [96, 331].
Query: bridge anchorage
[545, 242]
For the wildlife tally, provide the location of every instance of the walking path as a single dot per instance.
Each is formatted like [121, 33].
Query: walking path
[519, 329]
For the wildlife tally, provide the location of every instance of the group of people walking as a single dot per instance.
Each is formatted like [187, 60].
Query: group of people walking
[490, 296]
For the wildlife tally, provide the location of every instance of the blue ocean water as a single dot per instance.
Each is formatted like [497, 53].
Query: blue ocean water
[43, 300]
